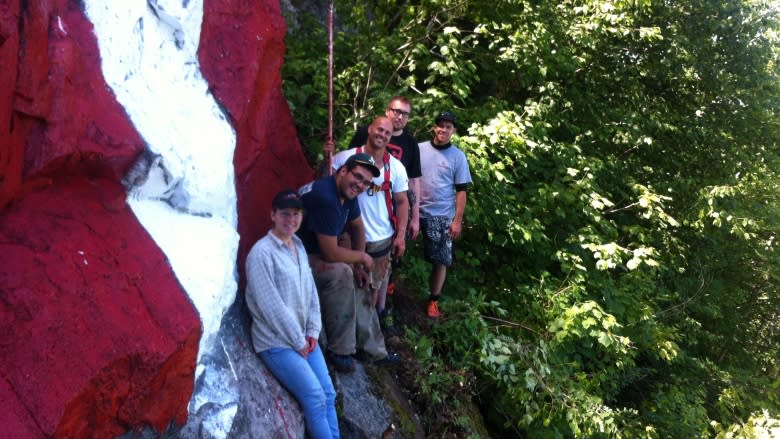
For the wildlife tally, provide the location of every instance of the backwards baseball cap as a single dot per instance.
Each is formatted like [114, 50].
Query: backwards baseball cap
[287, 199]
[365, 161]
[446, 116]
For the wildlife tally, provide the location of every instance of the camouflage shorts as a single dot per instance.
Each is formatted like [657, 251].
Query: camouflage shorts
[437, 243]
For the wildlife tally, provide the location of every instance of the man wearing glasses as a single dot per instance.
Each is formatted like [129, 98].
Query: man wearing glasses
[402, 146]
[385, 209]
[331, 208]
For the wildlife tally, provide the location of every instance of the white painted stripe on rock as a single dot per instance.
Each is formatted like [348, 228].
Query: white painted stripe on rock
[149, 59]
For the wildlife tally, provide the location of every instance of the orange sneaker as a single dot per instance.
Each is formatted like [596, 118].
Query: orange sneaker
[433, 309]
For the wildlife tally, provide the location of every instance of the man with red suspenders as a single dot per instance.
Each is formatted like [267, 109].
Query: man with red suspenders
[403, 146]
[385, 210]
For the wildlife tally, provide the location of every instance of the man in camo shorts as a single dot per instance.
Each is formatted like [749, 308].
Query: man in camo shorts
[445, 178]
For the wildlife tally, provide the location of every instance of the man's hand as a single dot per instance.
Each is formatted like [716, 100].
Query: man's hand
[361, 270]
[399, 244]
[329, 147]
[455, 230]
[414, 228]
[368, 261]
[361, 276]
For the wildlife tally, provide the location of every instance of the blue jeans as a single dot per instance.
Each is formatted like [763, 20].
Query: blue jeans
[308, 381]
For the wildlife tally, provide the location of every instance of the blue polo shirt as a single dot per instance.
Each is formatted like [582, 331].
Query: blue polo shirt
[323, 212]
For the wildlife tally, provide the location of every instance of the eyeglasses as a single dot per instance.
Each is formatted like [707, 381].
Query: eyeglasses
[399, 112]
[360, 179]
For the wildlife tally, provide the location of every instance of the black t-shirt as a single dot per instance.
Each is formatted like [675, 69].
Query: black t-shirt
[403, 147]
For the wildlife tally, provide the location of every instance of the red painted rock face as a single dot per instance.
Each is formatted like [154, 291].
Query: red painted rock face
[241, 54]
[96, 334]
[58, 118]
[99, 334]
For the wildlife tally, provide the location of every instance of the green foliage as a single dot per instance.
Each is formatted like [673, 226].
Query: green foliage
[760, 425]
[619, 273]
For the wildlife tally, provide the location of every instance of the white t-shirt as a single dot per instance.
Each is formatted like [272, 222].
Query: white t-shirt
[374, 208]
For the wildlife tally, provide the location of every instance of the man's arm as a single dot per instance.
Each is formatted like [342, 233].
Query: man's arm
[401, 219]
[357, 237]
[414, 221]
[456, 227]
[332, 252]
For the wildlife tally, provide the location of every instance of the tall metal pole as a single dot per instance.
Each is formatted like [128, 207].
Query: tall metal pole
[329, 158]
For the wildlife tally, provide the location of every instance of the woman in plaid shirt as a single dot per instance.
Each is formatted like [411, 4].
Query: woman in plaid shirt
[282, 299]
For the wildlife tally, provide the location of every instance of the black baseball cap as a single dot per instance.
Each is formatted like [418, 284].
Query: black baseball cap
[287, 199]
[446, 116]
[365, 161]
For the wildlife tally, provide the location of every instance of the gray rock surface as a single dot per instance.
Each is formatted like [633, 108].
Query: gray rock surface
[364, 414]
[237, 397]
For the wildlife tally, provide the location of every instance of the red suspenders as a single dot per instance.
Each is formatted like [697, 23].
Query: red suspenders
[386, 185]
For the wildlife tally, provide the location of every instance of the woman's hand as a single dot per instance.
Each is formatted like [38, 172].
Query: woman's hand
[311, 344]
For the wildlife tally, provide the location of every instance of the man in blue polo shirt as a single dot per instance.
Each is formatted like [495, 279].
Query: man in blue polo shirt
[331, 208]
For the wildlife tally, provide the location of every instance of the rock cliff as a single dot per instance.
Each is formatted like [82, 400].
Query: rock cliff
[99, 334]
[141, 143]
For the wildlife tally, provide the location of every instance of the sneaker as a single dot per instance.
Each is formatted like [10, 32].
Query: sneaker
[391, 359]
[342, 363]
[433, 309]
